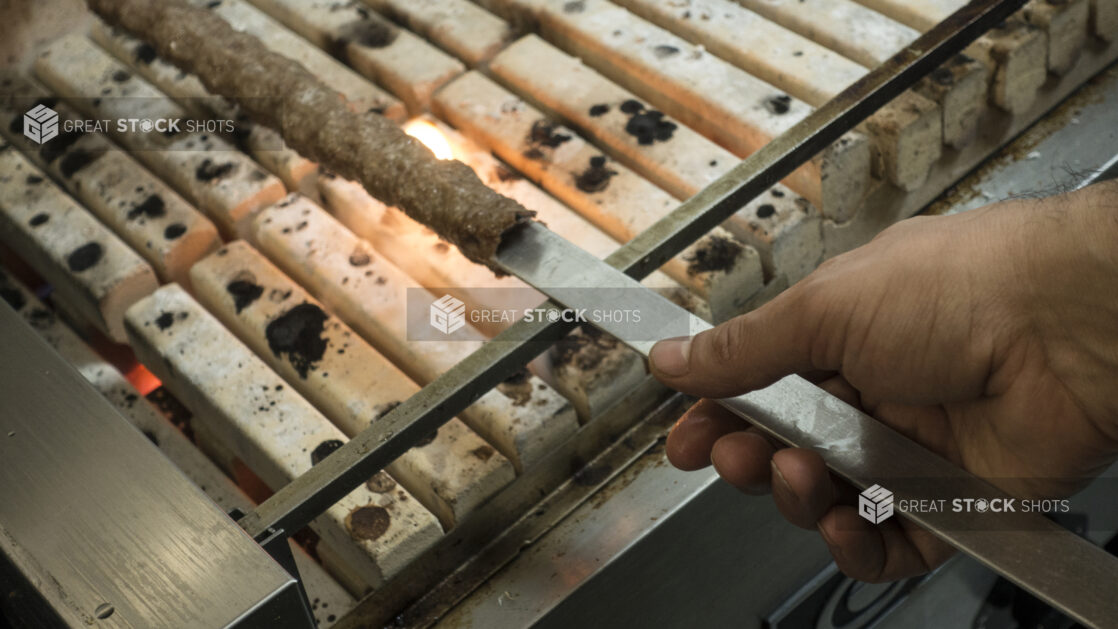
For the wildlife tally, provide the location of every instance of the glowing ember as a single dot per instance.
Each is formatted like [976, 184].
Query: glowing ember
[144, 380]
[430, 136]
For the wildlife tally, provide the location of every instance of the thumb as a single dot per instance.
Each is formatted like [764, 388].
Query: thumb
[746, 353]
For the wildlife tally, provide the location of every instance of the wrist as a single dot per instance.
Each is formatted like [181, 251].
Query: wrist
[1075, 304]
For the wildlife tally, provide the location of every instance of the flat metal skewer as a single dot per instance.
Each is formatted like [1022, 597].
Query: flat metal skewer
[295, 505]
[1034, 552]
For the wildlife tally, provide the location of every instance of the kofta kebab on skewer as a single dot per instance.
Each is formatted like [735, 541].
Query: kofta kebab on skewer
[445, 195]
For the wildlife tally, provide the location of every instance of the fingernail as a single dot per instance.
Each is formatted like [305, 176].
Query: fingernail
[672, 357]
[782, 483]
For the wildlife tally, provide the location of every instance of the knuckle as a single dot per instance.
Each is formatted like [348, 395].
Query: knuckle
[728, 341]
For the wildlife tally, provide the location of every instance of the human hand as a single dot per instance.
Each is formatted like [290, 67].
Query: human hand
[990, 337]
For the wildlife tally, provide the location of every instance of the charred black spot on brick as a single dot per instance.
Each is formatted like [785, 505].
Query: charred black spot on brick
[76, 160]
[38, 219]
[575, 6]
[323, 450]
[380, 483]
[171, 408]
[716, 254]
[961, 60]
[55, 148]
[599, 110]
[517, 387]
[943, 76]
[121, 76]
[12, 295]
[298, 334]
[649, 127]
[766, 211]
[779, 104]
[504, 173]
[427, 440]
[174, 230]
[85, 256]
[359, 258]
[165, 320]
[244, 292]
[520, 376]
[596, 176]
[368, 522]
[41, 319]
[363, 32]
[585, 349]
[145, 53]
[632, 107]
[484, 453]
[151, 207]
[543, 134]
[208, 171]
[33, 180]
[664, 51]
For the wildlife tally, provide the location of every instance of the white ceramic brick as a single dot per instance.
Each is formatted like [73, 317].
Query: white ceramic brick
[204, 168]
[402, 62]
[1015, 54]
[1066, 22]
[96, 274]
[345, 378]
[314, 249]
[708, 94]
[265, 145]
[274, 430]
[142, 210]
[361, 94]
[464, 29]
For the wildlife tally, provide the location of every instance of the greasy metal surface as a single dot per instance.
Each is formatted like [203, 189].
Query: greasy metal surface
[1069, 147]
[312, 493]
[107, 530]
[1026, 548]
[654, 548]
[479, 559]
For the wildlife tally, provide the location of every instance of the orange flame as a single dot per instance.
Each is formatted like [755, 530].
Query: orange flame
[430, 136]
